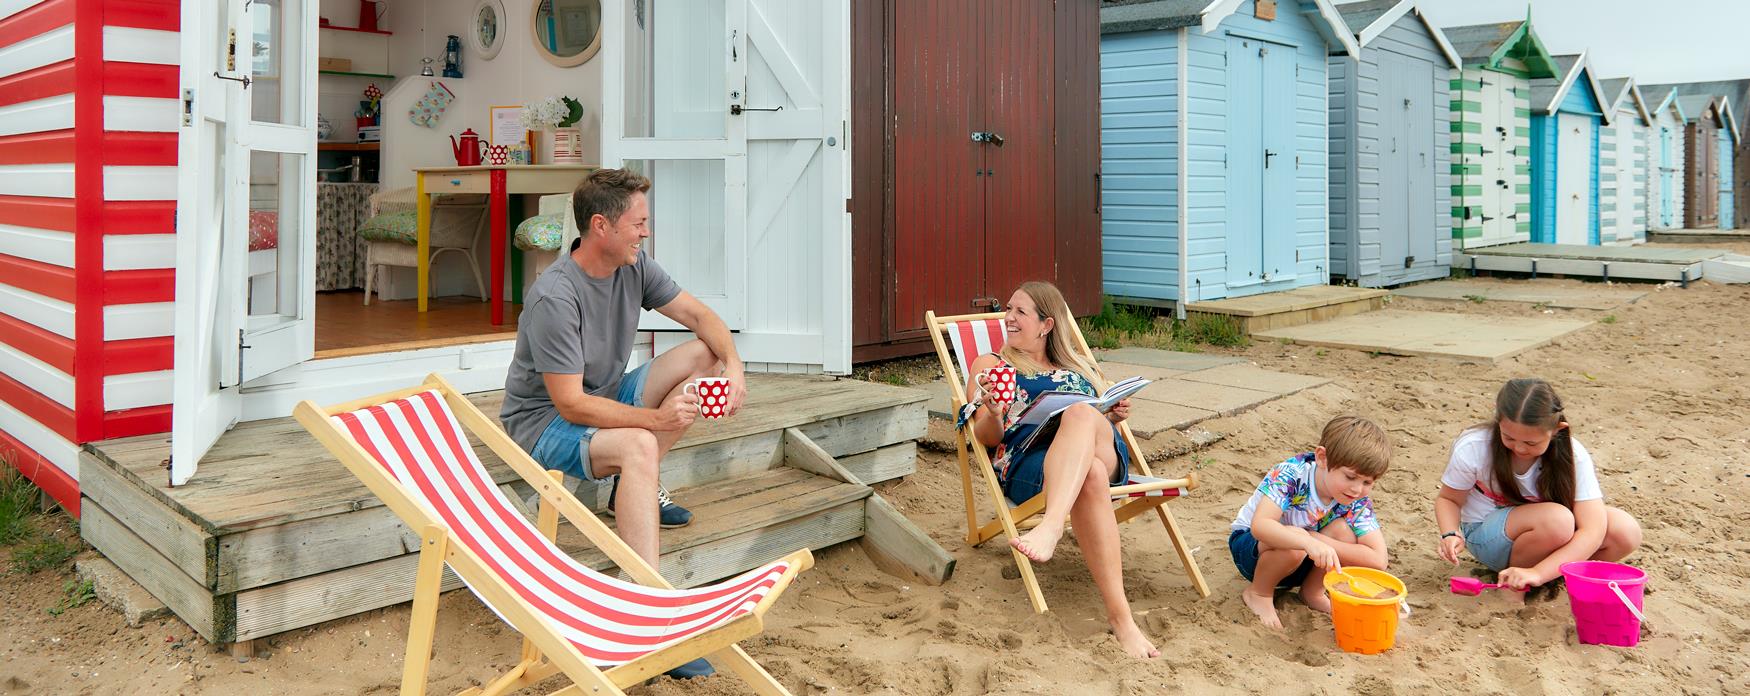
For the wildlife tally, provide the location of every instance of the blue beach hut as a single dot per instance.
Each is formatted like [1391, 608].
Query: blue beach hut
[1213, 124]
[1729, 141]
[1567, 113]
[1666, 166]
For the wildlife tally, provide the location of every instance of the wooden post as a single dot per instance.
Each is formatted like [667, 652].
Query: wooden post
[434, 543]
[895, 544]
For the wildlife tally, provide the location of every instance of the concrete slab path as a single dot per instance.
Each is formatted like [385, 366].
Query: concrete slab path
[1187, 388]
[1565, 296]
[1463, 337]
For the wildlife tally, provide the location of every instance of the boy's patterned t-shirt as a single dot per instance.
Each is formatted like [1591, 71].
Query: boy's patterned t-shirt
[1290, 486]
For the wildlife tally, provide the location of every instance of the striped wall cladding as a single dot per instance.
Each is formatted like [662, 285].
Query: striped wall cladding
[1622, 190]
[87, 174]
[1484, 211]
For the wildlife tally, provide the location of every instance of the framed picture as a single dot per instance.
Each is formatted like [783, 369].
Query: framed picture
[506, 128]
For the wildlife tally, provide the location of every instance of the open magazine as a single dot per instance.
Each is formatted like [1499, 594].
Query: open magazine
[1044, 411]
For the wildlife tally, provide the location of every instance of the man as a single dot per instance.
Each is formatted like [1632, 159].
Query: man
[567, 399]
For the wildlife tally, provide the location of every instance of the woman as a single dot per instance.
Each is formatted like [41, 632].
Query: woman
[1074, 466]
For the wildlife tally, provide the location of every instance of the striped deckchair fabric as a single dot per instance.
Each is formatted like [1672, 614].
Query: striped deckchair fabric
[412, 450]
[972, 335]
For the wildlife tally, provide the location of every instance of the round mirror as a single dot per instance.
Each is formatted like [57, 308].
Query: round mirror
[568, 32]
[487, 30]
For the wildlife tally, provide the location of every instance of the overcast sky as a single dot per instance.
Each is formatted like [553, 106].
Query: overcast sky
[1653, 41]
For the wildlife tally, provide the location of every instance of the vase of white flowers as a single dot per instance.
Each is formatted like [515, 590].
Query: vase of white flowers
[558, 116]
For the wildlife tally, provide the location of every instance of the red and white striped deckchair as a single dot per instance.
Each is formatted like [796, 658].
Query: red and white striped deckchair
[411, 449]
[973, 335]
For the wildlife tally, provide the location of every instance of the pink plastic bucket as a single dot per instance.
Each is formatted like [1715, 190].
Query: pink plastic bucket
[1606, 599]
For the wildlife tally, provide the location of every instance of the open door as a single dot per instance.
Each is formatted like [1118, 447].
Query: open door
[244, 195]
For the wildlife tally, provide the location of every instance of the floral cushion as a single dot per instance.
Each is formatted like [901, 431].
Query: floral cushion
[540, 233]
[264, 230]
[401, 226]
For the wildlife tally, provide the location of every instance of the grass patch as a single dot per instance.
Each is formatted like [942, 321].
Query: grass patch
[1476, 299]
[74, 594]
[42, 554]
[18, 498]
[1125, 325]
[1607, 319]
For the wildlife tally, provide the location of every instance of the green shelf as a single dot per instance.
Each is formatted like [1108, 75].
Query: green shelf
[356, 74]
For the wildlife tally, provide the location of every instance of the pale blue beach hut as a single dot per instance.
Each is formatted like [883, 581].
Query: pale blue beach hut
[1214, 134]
[1567, 113]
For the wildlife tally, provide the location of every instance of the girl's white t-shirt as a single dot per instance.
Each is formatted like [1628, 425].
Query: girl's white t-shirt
[1469, 470]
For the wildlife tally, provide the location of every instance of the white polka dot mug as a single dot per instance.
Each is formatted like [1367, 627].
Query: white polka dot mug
[713, 393]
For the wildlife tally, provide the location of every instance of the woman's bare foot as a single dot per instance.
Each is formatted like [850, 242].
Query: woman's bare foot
[1313, 593]
[1130, 638]
[1039, 544]
[1264, 606]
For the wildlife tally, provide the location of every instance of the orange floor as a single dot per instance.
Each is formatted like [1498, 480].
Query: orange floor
[345, 326]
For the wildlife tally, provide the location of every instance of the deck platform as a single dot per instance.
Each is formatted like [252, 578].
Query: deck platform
[1603, 262]
[1276, 310]
[272, 534]
[1698, 236]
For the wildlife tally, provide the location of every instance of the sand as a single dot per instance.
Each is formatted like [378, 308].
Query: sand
[1660, 396]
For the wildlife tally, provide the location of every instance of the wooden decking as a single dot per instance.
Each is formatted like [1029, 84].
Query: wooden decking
[1681, 264]
[1698, 236]
[272, 534]
[1278, 310]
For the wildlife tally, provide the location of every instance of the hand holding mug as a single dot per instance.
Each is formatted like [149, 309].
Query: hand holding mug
[998, 384]
[713, 394]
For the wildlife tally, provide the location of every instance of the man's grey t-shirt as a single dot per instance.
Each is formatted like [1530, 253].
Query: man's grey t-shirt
[574, 324]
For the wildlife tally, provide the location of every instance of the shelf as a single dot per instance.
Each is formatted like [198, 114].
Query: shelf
[350, 147]
[356, 74]
[337, 27]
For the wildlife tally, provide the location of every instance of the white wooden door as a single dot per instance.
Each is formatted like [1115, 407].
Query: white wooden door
[1573, 179]
[1499, 157]
[241, 172]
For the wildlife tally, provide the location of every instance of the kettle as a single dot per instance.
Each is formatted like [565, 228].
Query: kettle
[468, 149]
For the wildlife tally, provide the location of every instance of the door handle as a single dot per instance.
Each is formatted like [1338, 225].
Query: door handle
[736, 109]
[1267, 155]
[989, 303]
[987, 137]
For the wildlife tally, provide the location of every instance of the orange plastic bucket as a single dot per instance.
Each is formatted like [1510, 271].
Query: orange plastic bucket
[1365, 625]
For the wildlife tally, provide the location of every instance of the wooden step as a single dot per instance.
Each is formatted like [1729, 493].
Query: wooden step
[1295, 307]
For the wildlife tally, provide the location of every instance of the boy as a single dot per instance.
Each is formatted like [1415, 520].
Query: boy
[1289, 535]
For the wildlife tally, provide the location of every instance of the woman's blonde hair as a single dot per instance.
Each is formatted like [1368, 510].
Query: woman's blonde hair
[1060, 345]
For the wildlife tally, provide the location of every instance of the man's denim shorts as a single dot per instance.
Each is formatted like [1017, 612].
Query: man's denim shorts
[564, 445]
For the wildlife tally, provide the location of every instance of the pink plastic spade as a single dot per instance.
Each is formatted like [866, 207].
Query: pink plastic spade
[1473, 586]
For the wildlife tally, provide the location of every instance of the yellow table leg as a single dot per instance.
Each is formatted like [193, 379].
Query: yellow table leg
[424, 245]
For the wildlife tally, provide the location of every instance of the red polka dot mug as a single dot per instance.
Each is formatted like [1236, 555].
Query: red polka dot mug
[999, 384]
[713, 393]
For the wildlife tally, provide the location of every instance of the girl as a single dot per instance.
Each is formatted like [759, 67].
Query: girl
[1080, 460]
[1521, 493]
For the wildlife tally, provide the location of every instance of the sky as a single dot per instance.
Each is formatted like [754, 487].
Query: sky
[1654, 41]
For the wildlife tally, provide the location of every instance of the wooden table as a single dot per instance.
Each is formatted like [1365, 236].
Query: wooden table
[498, 182]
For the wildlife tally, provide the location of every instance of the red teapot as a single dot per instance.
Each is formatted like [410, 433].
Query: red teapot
[468, 149]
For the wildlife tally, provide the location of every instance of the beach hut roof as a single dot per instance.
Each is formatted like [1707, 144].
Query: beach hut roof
[1118, 16]
[1487, 44]
[1737, 90]
[1692, 105]
[1368, 20]
[1620, 88]
[1547, 95]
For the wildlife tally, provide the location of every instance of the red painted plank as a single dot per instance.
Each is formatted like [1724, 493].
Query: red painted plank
[51, 80]
[163, 15]
[149, 420]
[38, 277]
[140, 149]
[37, 212]
[37, 342]
[42, 472]
[88, 207]
[139, 217]
[50, 147]
[42, 18]
[139, 286]
[42, 409]
[139, 80]
[138, 355]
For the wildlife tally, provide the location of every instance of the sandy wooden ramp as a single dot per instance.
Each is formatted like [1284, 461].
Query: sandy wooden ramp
[1463, 337]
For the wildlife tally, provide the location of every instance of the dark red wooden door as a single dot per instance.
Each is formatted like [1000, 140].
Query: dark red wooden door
[939, 199]
[1020, 189]
[1702, 202]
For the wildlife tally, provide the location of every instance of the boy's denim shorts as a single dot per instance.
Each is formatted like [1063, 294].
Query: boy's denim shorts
[1244, 548]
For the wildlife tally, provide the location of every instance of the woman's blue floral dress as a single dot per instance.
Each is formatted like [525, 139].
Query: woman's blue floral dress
[1023, 473]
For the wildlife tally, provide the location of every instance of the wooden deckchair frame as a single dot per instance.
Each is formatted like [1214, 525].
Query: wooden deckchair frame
[1007, 520]
[545, 652]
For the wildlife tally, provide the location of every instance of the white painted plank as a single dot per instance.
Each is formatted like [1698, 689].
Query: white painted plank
[48, 246]
[38, 115]
[42, 440]
[139, 183]
[43, 311]
[12, 7]
[132, 45]
[147, 320]
[40, 376]
[136, 390]
[47, 180]
[141, 114]
[133, 252]
[47, 48]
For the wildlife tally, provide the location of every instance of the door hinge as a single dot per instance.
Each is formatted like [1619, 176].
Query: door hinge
[1409, 261]
[241, 347]
[847, 205]
[188, 106]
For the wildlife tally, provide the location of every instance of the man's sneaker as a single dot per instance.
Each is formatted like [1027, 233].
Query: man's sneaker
[670, 515]
[692, 670]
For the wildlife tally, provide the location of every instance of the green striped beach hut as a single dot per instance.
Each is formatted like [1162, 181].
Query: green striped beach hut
[1491, 131]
